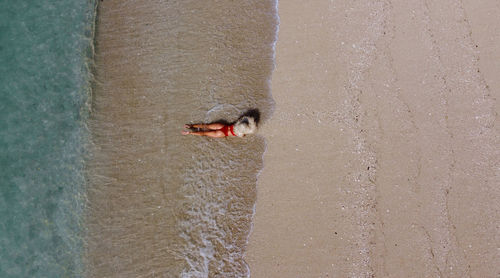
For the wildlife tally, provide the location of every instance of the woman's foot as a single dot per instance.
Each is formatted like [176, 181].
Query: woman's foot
[185, 132]
[188, 126]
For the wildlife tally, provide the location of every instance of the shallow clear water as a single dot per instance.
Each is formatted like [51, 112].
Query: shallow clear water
[44, 47]
[164, 204]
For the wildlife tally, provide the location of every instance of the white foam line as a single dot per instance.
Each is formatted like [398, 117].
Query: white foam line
[269, 86]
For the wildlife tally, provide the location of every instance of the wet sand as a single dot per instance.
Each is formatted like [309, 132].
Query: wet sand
[383, 153]
[162, 204]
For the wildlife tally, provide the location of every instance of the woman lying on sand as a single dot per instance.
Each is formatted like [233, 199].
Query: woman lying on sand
[243, 126]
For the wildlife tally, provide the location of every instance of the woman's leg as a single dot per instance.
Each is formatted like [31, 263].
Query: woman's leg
[210, 133]
[213, 126]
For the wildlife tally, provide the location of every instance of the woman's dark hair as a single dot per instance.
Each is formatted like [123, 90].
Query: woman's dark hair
[254, 113]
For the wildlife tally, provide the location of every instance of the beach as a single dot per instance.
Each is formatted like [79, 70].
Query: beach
[377, 154]
[382, 154]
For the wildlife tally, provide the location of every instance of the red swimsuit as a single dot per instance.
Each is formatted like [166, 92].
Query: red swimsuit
[226, 130]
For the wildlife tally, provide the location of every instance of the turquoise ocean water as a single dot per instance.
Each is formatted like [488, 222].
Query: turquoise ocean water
[45, 47]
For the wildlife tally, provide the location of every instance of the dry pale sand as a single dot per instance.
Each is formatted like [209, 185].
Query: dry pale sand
[383, 151]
